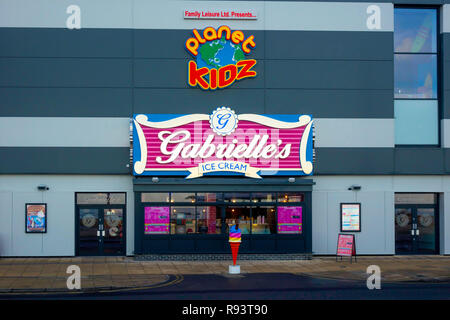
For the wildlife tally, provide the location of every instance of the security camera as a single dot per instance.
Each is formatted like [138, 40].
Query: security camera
[355, 187]
[43, 188]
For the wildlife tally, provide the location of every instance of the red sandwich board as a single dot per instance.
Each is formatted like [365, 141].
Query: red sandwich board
[346, 246]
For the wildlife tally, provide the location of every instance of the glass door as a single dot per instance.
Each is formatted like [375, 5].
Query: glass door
[403, 230]
[415, 229]
[100, 230]
[425, 231]
[88, 230]
[112, 235]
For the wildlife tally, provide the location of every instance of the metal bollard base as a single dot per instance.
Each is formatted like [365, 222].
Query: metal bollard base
[234, 269]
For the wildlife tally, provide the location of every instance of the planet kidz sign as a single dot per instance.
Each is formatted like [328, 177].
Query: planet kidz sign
[222, 143]
[220, 57]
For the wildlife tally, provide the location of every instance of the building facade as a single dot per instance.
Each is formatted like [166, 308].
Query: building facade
[87, 88]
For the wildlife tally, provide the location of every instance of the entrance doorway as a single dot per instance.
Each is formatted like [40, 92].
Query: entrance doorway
[416, 224]
[100, 228]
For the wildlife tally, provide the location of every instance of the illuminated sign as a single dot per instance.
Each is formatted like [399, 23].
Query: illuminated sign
[222, 143]
[220, 58]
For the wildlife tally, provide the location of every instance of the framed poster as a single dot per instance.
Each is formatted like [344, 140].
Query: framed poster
[36, 218]
[350, 217]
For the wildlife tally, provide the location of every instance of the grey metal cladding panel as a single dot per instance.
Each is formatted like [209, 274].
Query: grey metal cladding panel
[379, 1]
[331, 103]
[419, 160]
[170, 44]
[445, 45]
[418, 2]
[65, 72]
[327, 74]
[62, 42]
[405, 2]
[159, 73]
[334, 45]
[447, 160]
[403, 161]
[65, 102]
[354, 161]
[446, 104]
[51, 160]
[195, 100]
[446, 76]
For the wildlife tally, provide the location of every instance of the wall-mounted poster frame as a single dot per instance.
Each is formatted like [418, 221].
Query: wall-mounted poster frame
[350, 217]
[35, 218]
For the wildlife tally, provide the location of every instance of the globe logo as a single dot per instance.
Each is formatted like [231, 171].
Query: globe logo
[220, 58]
[219, 53]
[223, 121]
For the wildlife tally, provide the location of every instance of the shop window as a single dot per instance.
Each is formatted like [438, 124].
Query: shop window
[415, 30]
[236, 197]
[155, 197]
[416, 122]
[101, 198]
[415, 76]
[182, 197]
[117, 198]
[263, 220]
[290, 197]
[209, 197]
[415, 198]
[263, 197]
[234, 213]
[182, 220]
[208, 220]
[200, 213]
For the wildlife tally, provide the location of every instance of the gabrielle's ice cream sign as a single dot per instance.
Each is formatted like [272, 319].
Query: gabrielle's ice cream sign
[222, 143]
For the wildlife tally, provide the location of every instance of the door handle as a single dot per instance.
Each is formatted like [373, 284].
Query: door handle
[103, 233]
[98, 233]
[412, 232]
[417, 232]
